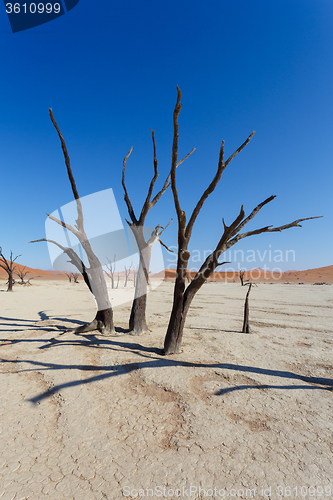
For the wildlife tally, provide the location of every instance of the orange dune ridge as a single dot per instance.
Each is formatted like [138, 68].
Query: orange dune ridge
[322, 275]
[318, 275]
[34, 273]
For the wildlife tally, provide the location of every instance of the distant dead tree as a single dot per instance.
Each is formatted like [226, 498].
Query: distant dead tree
[92, 275]
[127, 273]
[8, 266]
[246, 325]
[241, 275]
[137, 322]
[111, 266]
[22, 273]
[73, 277]
[231, 235]
[135, 273]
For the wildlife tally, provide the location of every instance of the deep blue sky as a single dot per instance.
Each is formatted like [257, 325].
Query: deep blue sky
[109, 70]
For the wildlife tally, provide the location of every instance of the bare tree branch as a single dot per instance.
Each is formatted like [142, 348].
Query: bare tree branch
[126, 197]
[63, 224]
[220, 169]
[185, 158]
[164, 245]
[252, 214]
[228, 230]
[74, 259]
[79, 220]
[4, 263]
[49, 241]
[147, 204]
[178, 107]
[240, 148]
[267, 229]
[207, 192]
[164, 228]
[167, 181]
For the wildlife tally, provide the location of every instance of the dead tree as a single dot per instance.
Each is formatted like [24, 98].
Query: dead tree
[8, 266]
[111, 266]
[231, 235]
[75, 277]
[127, 273]
[246, 325]
[69, 276]
[137, 322]
[241, 275]
[92, 275]
[135, 273]
[21, 273]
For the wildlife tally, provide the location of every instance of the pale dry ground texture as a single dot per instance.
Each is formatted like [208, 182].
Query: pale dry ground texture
[83, 417]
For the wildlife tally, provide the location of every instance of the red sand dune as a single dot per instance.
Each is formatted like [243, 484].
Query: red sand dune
[34, 273]
[318, 275]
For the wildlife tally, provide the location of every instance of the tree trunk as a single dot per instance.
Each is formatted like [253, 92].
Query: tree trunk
[174, 335]
[104, 316]
[10, 283]
[183, 299]
[246, 326]
[103, 320]
[138, 323]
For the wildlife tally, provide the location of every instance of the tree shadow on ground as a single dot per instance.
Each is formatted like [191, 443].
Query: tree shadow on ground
[154, 355]
[34, 325]
[156, 361]
[211, 329]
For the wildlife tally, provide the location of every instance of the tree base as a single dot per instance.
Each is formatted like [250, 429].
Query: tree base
[103, 323]
[139, 331]
[172, 349]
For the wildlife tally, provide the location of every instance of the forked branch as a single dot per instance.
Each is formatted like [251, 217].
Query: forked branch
[220, 169]
[267, 229]
[149, 203]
